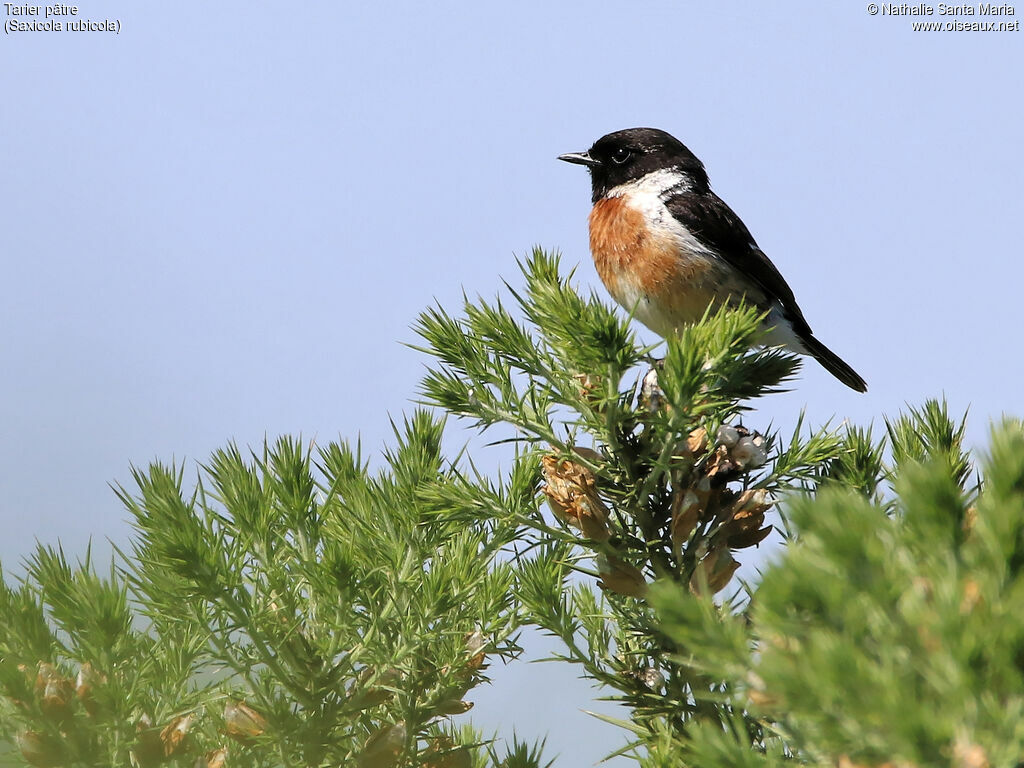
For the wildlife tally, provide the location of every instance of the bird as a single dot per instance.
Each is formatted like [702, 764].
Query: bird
[667, 247]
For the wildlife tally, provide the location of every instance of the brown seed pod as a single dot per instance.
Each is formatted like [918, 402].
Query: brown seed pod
[475, 647]
[696, 443]
[686, 512]
[442, 753]
[174, 736]
[363, 694]
[453, 706]
[242, 722]
[749, 538]
[743, 520]
[40, 749]
[213, 759]
[968, 755]
[55, 692]
[571, 489]
[383, 747]
[86, 683]
[714, 572]
[589, 384]
[148, 748]
[621, 577]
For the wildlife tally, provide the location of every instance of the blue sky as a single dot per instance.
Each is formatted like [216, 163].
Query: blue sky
[220, 223]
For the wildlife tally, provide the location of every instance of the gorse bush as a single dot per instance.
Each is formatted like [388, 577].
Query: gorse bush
[291, 607]
[890, 633]
[647, 469]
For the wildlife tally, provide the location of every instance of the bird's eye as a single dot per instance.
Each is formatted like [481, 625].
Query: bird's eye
[621, 155]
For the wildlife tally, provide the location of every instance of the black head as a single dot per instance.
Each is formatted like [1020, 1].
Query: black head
[628, 155]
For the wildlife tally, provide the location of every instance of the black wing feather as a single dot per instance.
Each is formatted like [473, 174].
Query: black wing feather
[719, 229]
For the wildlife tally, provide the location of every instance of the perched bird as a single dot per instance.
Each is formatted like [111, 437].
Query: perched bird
[667, 247]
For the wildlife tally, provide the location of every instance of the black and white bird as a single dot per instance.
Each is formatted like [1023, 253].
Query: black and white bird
[667, 247]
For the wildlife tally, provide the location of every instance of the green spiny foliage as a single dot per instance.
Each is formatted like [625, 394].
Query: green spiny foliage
[292, 608]
[891, 632]
[648, 470]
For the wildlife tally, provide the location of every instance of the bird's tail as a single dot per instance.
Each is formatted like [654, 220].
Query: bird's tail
[834, 364]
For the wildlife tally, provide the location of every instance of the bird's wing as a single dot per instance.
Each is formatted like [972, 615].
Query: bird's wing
[719, 229]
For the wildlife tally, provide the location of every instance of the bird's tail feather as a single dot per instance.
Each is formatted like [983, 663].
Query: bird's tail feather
[834, 364]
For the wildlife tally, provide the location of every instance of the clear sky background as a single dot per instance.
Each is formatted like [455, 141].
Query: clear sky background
[221, 222]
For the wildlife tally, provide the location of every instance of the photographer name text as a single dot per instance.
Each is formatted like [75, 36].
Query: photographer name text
[942, 9]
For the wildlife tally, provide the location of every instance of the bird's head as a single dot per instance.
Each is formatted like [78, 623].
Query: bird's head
[631, 154]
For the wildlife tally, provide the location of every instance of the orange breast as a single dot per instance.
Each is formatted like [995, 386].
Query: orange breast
[649, 270]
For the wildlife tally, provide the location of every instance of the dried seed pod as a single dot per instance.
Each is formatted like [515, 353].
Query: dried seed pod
[752, 502]
[382, 749]
[846, 762]
[696, 443]
[703, 490]
[474, 641]
[364, 696]
[55, 692]
[749, 538]
[213, 759]
[589, 384]
[40, 749]
[453, 706]
[29, 679]
[968, 755]
[148, 748]
[649, 677]
[686, 512]
[714, 572]
[175, 734]
[972, 597]
[571, 489]
[242, 722]
[720, 465]
[743, 521]
[86, 682]
[442, 753]
[475, 645]
[621, 577]
[970, 518]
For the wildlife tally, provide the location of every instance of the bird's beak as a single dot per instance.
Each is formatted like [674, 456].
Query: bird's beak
[580, 158]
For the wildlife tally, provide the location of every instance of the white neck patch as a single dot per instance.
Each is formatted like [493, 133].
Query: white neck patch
[654, 184]
[647, 196]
